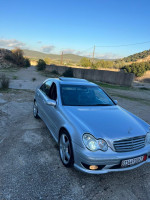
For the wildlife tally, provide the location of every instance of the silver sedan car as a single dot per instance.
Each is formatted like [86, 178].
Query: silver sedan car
[94, 134]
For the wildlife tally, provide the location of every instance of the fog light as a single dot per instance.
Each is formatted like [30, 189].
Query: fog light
[93, 167]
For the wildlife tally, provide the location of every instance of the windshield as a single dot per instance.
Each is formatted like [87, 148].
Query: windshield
[84, 95]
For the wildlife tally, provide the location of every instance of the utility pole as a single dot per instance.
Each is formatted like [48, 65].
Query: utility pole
[93, 52]
[61, 58]
[93, 56]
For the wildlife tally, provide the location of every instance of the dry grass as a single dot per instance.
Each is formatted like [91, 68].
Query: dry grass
[145, 77]
[4, 82]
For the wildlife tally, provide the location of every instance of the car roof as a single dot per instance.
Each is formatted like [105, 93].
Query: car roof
[71, 81]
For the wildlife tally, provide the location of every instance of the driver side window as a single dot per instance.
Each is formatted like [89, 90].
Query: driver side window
[46, 87]
[53, 92]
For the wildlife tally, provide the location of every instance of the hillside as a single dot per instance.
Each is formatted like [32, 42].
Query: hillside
[13, 58]
[4, 54]
[40, 55]
[143, 56]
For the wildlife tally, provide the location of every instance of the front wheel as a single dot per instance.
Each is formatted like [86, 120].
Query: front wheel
[35, 110]
[65, 149]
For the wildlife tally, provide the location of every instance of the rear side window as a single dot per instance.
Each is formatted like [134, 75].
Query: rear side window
[46, 87]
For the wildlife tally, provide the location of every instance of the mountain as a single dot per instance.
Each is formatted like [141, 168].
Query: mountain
[66, 57]
[143, 56]
[40, 55]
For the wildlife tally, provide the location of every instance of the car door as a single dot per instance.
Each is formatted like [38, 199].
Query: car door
[53, 111]
[42, 96]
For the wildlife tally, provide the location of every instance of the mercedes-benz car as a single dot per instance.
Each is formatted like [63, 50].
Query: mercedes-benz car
[94, 134]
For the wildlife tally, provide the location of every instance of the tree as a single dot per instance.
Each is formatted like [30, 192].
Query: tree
[93, 66]
[85, 62]
[41, 65]
[137, 68]
[18, 56]
[26, 62]
[48, 61]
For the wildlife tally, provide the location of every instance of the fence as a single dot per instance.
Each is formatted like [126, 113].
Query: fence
[118, 78]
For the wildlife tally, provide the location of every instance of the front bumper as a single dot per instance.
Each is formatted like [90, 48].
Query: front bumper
[108, 161]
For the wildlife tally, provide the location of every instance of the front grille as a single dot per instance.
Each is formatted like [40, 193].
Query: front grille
[129, 144]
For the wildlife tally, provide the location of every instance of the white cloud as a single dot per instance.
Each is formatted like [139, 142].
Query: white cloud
[84, 53]
[48, 48]
[107, 56]
[69, 51]
[80, 53]
[12, 43]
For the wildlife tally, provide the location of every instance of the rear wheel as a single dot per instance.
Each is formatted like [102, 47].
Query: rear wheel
[65, 149]
[35, 110]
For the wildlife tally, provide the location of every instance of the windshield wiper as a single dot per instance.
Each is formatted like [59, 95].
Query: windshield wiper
[91, 105]
[102, 105]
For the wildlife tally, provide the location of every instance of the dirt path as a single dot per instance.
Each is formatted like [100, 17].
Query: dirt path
[25, 79]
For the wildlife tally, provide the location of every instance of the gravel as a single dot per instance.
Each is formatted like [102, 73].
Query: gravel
[30, 167]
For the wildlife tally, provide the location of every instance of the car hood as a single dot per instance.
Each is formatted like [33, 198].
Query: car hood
[109, 122]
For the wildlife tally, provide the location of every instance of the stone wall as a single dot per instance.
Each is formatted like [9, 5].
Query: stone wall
[118, 78]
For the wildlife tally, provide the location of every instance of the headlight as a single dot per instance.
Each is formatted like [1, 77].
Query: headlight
[148, 138]
[92, 144]
[103, 145]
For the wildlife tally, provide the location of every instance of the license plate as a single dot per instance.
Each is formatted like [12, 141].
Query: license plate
[132, 161]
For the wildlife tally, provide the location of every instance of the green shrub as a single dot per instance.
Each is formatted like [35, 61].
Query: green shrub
[68, 72]
[104, 64]
[93, 66]
[55, 72]
[48, 61]
[85, 62]
[4, 82]
[147, 66]
[10, 58]
[26, 62]
[137, 68]
[41, 65]
[18, 57]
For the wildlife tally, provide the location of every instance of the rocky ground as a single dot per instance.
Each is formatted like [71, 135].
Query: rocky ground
[30, 167]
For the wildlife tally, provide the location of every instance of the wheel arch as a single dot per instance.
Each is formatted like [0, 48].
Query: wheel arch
[63, 129]
[75, 136]
[71, 144]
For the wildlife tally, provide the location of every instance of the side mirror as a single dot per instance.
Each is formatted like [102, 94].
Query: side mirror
[116, 102]
[51, 102]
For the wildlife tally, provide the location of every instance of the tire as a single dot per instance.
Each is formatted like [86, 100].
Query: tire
[65, 149]
[35, 110]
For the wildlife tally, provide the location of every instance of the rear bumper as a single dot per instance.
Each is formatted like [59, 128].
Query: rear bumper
[109, 161]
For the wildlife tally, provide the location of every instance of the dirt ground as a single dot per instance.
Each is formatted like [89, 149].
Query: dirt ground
[30, 168]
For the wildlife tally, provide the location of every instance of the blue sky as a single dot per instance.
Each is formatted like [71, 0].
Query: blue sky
[75, 26]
